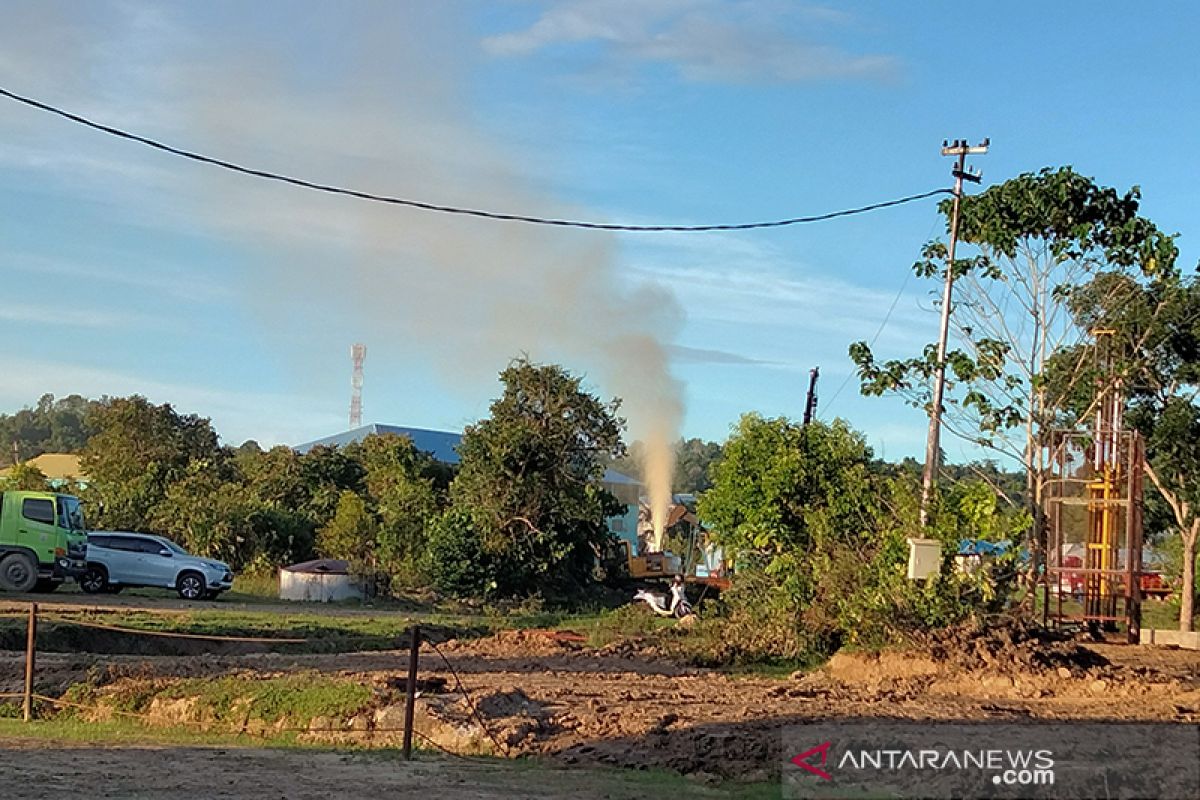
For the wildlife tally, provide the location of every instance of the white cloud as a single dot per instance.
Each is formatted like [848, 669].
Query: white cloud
[73, 316]
[160, 278]
[730, 279]
[703, 40]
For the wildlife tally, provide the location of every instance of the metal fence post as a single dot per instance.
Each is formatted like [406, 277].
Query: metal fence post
[30, 652]
[410, 692]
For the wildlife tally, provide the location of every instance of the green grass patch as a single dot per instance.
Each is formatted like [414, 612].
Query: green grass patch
[300, 697]
[255, 587]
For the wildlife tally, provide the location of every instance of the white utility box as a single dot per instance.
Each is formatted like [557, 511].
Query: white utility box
[924, 558]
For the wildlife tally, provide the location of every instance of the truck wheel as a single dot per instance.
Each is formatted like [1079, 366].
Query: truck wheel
[190, 586]
[46, 585]
[18, 573]
[94, 581]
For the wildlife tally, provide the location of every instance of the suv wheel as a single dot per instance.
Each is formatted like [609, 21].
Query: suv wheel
[190, 586]
[94, 580]
[18, 573]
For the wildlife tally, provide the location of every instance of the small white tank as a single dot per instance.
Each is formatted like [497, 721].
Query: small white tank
[325, 580]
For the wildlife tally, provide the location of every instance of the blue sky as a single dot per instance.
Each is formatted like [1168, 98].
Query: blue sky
[129, 271]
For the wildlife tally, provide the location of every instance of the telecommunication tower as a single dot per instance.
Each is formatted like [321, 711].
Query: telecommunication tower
[358, 354]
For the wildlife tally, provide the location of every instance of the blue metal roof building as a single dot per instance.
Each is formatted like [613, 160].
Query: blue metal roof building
[442, 445]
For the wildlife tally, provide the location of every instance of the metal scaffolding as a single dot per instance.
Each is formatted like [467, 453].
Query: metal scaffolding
[1093, 506]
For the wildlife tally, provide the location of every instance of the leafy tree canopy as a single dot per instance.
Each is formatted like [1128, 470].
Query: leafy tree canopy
[51, 426]
[530, 478]
[136, 452]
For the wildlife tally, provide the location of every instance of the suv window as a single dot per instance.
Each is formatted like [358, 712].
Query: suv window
[38, 510]
[150, 546]
[99, 541]
[124, 543]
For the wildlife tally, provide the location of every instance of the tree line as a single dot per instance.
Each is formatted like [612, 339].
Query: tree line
[815, 523]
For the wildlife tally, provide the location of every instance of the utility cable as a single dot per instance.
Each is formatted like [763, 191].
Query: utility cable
[470, 702]
[874, 338]
[445, 209]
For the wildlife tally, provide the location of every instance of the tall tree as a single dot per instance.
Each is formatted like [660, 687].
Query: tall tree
[137, 451]
[400, 484]
[51, 426]
[209, 514]
[353, 535]
[784, 492]
[1036, 237]
[530, 478]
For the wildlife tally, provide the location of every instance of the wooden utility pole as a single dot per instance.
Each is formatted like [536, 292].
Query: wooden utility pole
[810, 403]
[933, 446]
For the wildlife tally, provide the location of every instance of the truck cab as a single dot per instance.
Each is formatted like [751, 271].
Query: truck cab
[43, 540]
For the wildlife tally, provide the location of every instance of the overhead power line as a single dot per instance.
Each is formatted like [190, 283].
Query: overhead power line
[445, 209]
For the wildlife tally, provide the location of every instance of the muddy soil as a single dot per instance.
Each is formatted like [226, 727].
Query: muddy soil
[623, 705]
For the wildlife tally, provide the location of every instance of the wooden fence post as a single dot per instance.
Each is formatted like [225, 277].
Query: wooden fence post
[30, 653]
[410, 691]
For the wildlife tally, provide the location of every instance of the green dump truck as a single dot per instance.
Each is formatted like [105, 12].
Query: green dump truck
[43, 540]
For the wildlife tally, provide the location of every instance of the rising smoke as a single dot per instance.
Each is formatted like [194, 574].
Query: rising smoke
[466, 294]
[378, 97]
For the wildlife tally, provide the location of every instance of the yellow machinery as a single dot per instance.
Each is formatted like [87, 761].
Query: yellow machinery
[651, 565]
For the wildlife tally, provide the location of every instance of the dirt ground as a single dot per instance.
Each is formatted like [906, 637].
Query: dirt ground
[621, 705]
[157, 773]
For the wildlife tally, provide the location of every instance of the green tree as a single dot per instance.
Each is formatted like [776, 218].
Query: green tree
[784, 491]
[1037, 238]
[458, 563]
[208, 515]
[325, 473]
[25, 477]
[51, 426]
[694, 459]
[530, 479]
[136, 452]
[284, 523]
[400, 485]
[818, 533]
[1173, 466]
[352, 535]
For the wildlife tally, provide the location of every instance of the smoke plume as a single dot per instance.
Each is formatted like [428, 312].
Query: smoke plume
[385, 97]
[466, 294]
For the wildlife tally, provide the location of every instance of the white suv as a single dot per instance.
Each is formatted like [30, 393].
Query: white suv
[116, 559]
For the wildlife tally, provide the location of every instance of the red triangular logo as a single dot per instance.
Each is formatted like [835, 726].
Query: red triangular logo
[801, 760]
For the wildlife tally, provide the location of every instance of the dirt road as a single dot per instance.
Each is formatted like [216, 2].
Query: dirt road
[29, 770]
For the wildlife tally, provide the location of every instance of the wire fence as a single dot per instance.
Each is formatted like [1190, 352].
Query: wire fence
[31, 699]
[339, 636]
